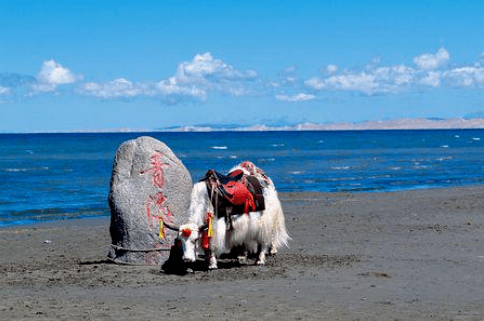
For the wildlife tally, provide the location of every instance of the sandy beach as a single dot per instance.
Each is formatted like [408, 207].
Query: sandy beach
[415, 255]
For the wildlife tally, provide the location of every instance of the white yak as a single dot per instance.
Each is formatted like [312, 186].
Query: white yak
[212, 234]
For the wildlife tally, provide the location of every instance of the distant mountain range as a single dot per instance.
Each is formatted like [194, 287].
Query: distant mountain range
[397, 124]
[468, 122]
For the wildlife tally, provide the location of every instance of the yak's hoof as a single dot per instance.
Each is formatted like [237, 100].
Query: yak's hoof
[242, 260]
[273, 250]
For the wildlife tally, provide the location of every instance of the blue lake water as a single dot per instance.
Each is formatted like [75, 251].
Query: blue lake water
[59, 176]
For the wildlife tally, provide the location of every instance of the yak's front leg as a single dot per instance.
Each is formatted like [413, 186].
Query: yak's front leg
[211, 260]
[242, 255]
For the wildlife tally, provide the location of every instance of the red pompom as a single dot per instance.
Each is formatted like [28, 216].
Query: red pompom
[205, 240]
[186, 232]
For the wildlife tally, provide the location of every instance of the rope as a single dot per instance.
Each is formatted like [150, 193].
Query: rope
[117, 247]
[171, 227]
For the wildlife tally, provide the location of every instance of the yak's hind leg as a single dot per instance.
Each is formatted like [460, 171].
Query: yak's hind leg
[261, 257]
[272, 250]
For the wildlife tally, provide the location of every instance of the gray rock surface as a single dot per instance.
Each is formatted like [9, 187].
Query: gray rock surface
[149, 186]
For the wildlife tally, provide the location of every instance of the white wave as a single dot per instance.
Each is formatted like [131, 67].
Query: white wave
[233, 156]
[16, 169]
[36, 169]
[444, 146]
[421, 167]
[296, 172]
[340, 179]
[380, 176]
[441, 159]
[219, 147]
[340, 167]
[277, 145]
[476, 138]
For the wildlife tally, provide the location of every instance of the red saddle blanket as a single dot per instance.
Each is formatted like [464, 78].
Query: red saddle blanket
[235, 193]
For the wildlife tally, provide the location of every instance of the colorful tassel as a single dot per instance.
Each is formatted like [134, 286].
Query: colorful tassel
[209, 218]
[162, 234]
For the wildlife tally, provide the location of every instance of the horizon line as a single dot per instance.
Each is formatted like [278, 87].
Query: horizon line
[395, 124]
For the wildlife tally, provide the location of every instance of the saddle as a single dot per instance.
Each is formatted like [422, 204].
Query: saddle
[235, 193]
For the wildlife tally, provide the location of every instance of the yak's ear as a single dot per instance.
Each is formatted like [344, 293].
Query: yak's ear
[204, 227]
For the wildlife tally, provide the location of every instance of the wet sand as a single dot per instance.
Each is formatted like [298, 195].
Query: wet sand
[415, 255]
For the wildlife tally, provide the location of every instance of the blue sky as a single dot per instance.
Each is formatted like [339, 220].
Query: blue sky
[96, 65]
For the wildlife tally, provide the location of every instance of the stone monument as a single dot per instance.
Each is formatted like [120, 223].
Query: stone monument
[150, 186]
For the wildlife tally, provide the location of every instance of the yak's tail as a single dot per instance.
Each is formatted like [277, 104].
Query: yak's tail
[274, 221]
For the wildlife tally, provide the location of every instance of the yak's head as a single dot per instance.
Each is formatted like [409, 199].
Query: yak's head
[184, 250]
[189, 235]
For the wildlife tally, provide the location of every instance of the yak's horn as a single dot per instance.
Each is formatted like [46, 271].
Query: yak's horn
[203, 227]
[171, 227]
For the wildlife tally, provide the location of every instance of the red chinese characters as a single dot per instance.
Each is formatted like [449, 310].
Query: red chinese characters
[158, 170]
[157, 211]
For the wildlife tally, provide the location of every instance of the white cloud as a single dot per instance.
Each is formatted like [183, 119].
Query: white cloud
[331, 69]
[395, 76]
[399, 78]
[379, 80]
[113, 89]
[206, 74]
[204, 69]
[55, 74]
[472, 76]
[165, 90]
[432, 61]
[289, 75]
[203, 75]
[316, 83]
[432, 79]
[362, 82]
[296, 98]
[193, 80]
[4, 90]
[51, 75]
[169, 88]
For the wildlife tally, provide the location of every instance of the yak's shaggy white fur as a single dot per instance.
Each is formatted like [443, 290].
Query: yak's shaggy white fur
[257, 231]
